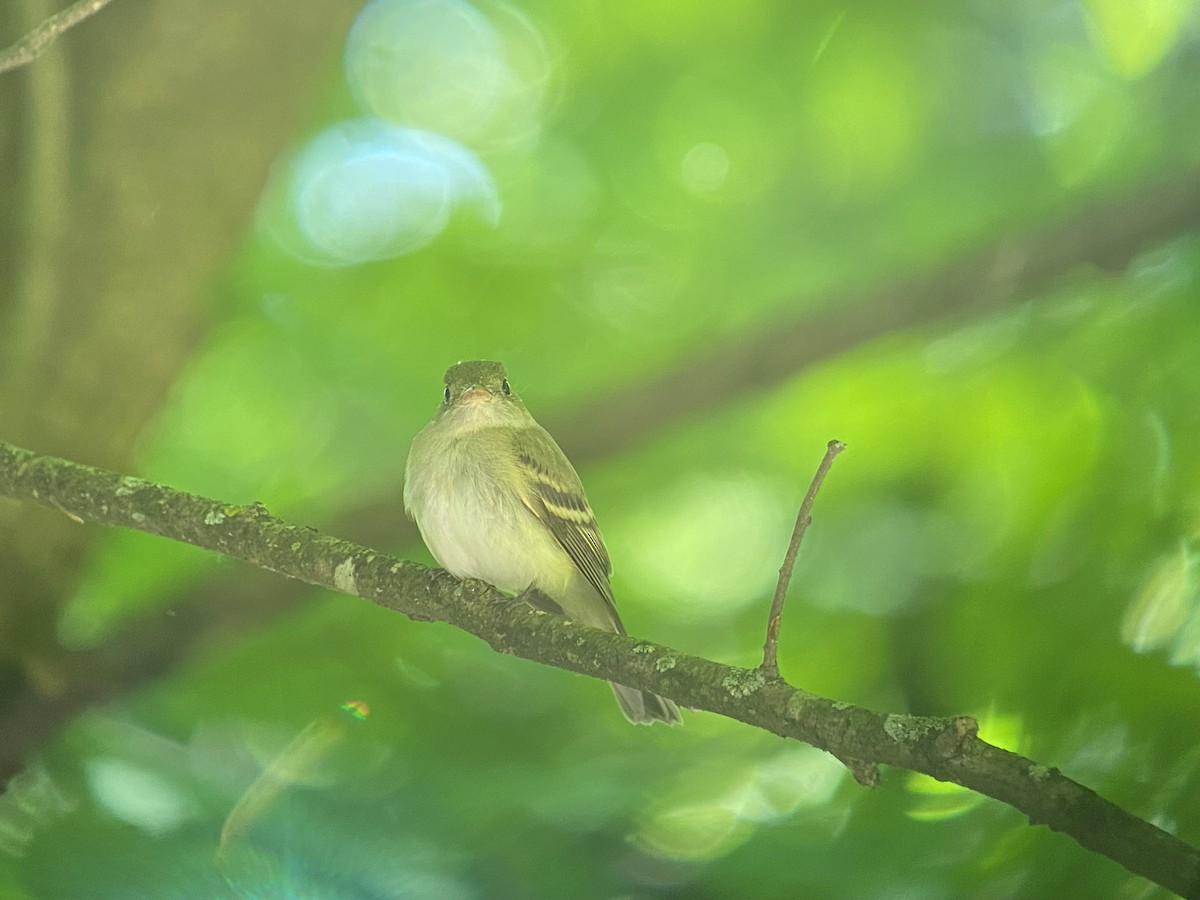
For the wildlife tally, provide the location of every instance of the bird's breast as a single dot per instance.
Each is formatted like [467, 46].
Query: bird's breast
[474, 523]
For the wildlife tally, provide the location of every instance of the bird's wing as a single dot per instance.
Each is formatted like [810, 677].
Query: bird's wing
[551, 490]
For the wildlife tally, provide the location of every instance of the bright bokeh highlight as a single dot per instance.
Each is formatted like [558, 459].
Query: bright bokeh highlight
[368, 190]
[707, 546]
[1164, 613]
[446, 66]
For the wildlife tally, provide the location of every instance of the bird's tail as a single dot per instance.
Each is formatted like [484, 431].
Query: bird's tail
[643, 707]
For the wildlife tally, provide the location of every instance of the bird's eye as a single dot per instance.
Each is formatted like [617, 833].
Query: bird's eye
[447, 394]
[504, 386]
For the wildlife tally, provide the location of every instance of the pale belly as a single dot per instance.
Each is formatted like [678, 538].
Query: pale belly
[476, 530]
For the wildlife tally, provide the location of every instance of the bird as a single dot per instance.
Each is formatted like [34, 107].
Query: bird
[496, 499]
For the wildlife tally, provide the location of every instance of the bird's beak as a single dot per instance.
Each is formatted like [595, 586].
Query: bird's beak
[476, 394]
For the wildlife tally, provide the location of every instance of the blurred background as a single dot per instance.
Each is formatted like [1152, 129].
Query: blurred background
[240, 242]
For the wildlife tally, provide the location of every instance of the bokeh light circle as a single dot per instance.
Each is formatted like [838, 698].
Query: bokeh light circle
[367, 190]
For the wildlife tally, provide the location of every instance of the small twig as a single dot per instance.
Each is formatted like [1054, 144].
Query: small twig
[770, 663]
[66, 512]
[32, 45]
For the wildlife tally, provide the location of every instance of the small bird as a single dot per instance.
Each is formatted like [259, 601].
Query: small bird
[496, 499]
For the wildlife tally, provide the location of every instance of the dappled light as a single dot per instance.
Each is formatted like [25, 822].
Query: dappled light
[707, 546]
[137, 797]
[714, 131]
[366, 190]
[936, 801]
[1081, 112]
[710, 814]
[440, 81]
[478, 75]
[1137, 36]
[1164, 613]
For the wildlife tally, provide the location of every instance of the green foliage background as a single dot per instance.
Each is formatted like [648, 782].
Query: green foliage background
[1012, 533]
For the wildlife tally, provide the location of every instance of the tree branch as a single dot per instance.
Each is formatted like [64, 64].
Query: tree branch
[32, 45]
[770, 663]
[947, 749]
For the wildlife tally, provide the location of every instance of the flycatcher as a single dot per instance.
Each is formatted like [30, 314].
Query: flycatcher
[496, 499]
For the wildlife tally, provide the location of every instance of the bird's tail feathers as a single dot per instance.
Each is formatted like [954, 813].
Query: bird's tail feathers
[644, 708]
